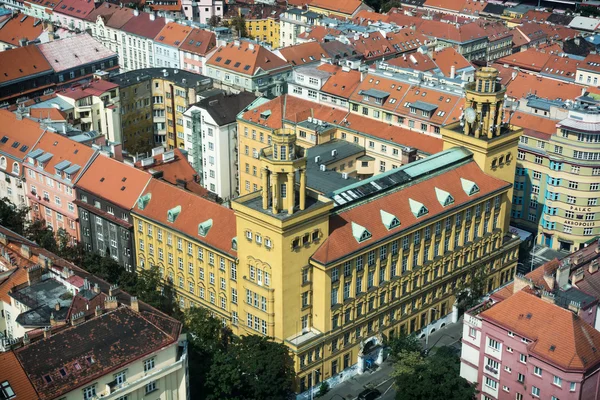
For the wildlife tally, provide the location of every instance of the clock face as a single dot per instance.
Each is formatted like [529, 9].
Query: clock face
[470, 115]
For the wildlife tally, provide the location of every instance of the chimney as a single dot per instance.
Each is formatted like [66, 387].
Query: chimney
[23, 42]
[116, 149]
[152, 16]
[577, 276]
[363, 74]
[598, 247]
[562, 274]
[47, 332]
[77, 318]
[98, 311]
[550, 279]
[26, 340]
[110, 303]
[577, 41]
[53, 321]
[3, 238]
[136, 13]
[593, 267]
[57, 306]
[34, 274]
[25, 251]
[548, 297]
[452, 72]
[135, 306]
[182, 183]
[113, 290]
[520, 282]
[409, 154]
[96, 288]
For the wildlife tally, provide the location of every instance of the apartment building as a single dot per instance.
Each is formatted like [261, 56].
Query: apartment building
[332, 8]
[295, 21]
[195, 50]
[106, 192]
[51, 169]
[153, 101]
[166, 45]
[48, 305]
[588, 70]
[96, 107]
[18, 138]
[556, 186]
[71, 14]
[203, 10]
[137, 37]
[211, 141]
[527, 347]
[192, 241]
[243, 65]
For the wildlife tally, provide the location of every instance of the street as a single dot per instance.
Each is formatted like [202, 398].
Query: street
[381, 379]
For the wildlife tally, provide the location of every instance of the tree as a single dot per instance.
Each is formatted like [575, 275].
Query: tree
[214, 21]
[470, 291]
[37, 231]
[404, 342]
[238, 23]
[13, 217]
[432, 378]
[253, 367]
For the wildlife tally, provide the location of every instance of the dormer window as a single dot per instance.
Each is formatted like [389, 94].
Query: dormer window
[389, 221]
[144, 200]
[469, 187]
[234, 244]
[360, 233]
[417, 208]
[444, 197]
[204, 227]
[173, 213]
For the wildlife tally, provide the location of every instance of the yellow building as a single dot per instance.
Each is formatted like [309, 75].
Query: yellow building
[262, 23]
[333, 275]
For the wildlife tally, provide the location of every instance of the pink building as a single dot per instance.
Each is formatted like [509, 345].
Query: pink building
[196, 48]
[51, 170]
[202, 10]
[527, 347]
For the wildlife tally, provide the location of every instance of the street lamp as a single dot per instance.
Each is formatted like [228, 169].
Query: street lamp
[429, 329]
[312, 386]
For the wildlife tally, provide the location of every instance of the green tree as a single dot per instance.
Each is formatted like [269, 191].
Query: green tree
[469, 291]
[238, 23]
[404, 342]
[253, 367]
[13, 217]
[37, 231]
[432, 378]
[214, 21]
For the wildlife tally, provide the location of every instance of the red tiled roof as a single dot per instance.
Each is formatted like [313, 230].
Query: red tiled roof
[114, 181]
[173, 34]
[15, 375]
[340, 83]
[112, 15]
[318, 33]
[341, 241]
[447, 58]
[532, 59]
[344, 7]
[303, 53]
[51, 113]
[417, 61]
[20, 27]
[94, 88]
[25, 133]
[561, 67]
[63, 148]
[546, 88]
[194, 211]
[396, 90]
[558, 335]
[145, 25]
[534, 125]
[75, 8]
[22, 62]
[177, 169]
[199, 42]
[246, 58]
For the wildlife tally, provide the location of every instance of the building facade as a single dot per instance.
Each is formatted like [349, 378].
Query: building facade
[557, 181]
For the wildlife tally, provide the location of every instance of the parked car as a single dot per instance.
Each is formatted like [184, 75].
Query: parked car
[369, 394]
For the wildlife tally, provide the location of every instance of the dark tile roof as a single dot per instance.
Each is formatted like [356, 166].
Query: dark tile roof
[224, 108]
[560, 19]
[90, 350]
[491, 8]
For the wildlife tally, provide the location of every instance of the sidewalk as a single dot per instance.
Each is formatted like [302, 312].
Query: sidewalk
[450, 335]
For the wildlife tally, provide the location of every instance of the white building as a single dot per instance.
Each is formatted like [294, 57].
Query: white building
[293, 22]
[211, 141]
[202, 10]
[167, 42]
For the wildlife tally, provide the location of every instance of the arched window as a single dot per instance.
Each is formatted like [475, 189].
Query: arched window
[3, 162]
[15, 168]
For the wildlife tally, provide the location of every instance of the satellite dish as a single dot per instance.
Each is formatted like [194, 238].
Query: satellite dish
[470, 115]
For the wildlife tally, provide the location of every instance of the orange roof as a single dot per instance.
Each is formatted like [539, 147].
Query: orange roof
[345, 7]
[22, 62]
[13, 372]
[318, 33]
[369, 15]
[20, 27]
[558, 335]
[341, 241]
[174, 170]
[193, 210]
[417, 61]
[448, 105]
[54, 114]
[17, 276]
[341, 83]
[25, 133]
[534, 124]
[448, 58]
[396, 91]
[246, 58]
[199, 42]
[114, 181]
[473, 7]
[591, 63]
[531, 59]
[173, 34]
[303, 53]
[454, 5]
[64, 149]
[402, 19]
[533, 15]
[546, 88]
[561, 67]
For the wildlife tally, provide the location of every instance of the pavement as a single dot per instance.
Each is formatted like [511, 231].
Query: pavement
[381, 378]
